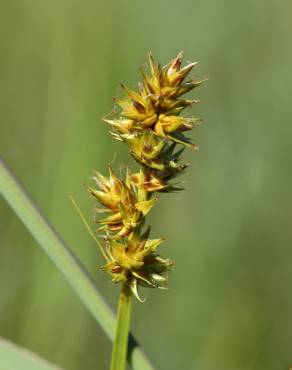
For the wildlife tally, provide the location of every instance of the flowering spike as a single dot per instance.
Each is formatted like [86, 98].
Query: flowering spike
[150, 122]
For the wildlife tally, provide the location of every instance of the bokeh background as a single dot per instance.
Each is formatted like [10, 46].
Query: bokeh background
[229, 305]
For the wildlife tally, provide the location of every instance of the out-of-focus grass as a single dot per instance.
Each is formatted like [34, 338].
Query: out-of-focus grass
[13, 357]
[229, 233]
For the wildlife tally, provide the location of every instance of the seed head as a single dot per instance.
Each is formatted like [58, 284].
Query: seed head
[121, 198]
[152, 125]
[157, 104]
[135, 260]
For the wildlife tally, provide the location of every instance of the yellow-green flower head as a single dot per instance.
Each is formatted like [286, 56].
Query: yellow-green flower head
[156, 155]
[151, 124]
[155, 179]
[135, 260]
[123, 201]
[168, 82]
[157, 105]
[146, 148]
[138, 107]
[109, 190]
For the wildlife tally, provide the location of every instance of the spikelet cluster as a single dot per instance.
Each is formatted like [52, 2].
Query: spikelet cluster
[151, 123]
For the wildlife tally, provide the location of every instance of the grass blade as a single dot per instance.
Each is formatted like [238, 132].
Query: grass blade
[66, 262]
[13, 357]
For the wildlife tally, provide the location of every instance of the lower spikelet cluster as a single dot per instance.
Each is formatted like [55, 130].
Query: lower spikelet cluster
[151, 124]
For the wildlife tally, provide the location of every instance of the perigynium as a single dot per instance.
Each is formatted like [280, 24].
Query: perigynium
[153, 125]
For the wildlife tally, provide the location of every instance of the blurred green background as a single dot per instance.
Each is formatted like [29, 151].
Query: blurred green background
[229, 305]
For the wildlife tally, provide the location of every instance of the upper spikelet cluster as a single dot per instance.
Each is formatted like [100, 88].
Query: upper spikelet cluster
[151, 124]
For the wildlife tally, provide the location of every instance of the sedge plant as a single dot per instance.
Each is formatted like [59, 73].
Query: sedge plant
[152, 124]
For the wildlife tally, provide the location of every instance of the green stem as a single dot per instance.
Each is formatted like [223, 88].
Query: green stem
[120, 347]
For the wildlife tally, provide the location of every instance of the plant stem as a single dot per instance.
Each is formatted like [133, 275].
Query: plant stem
[120, 347]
